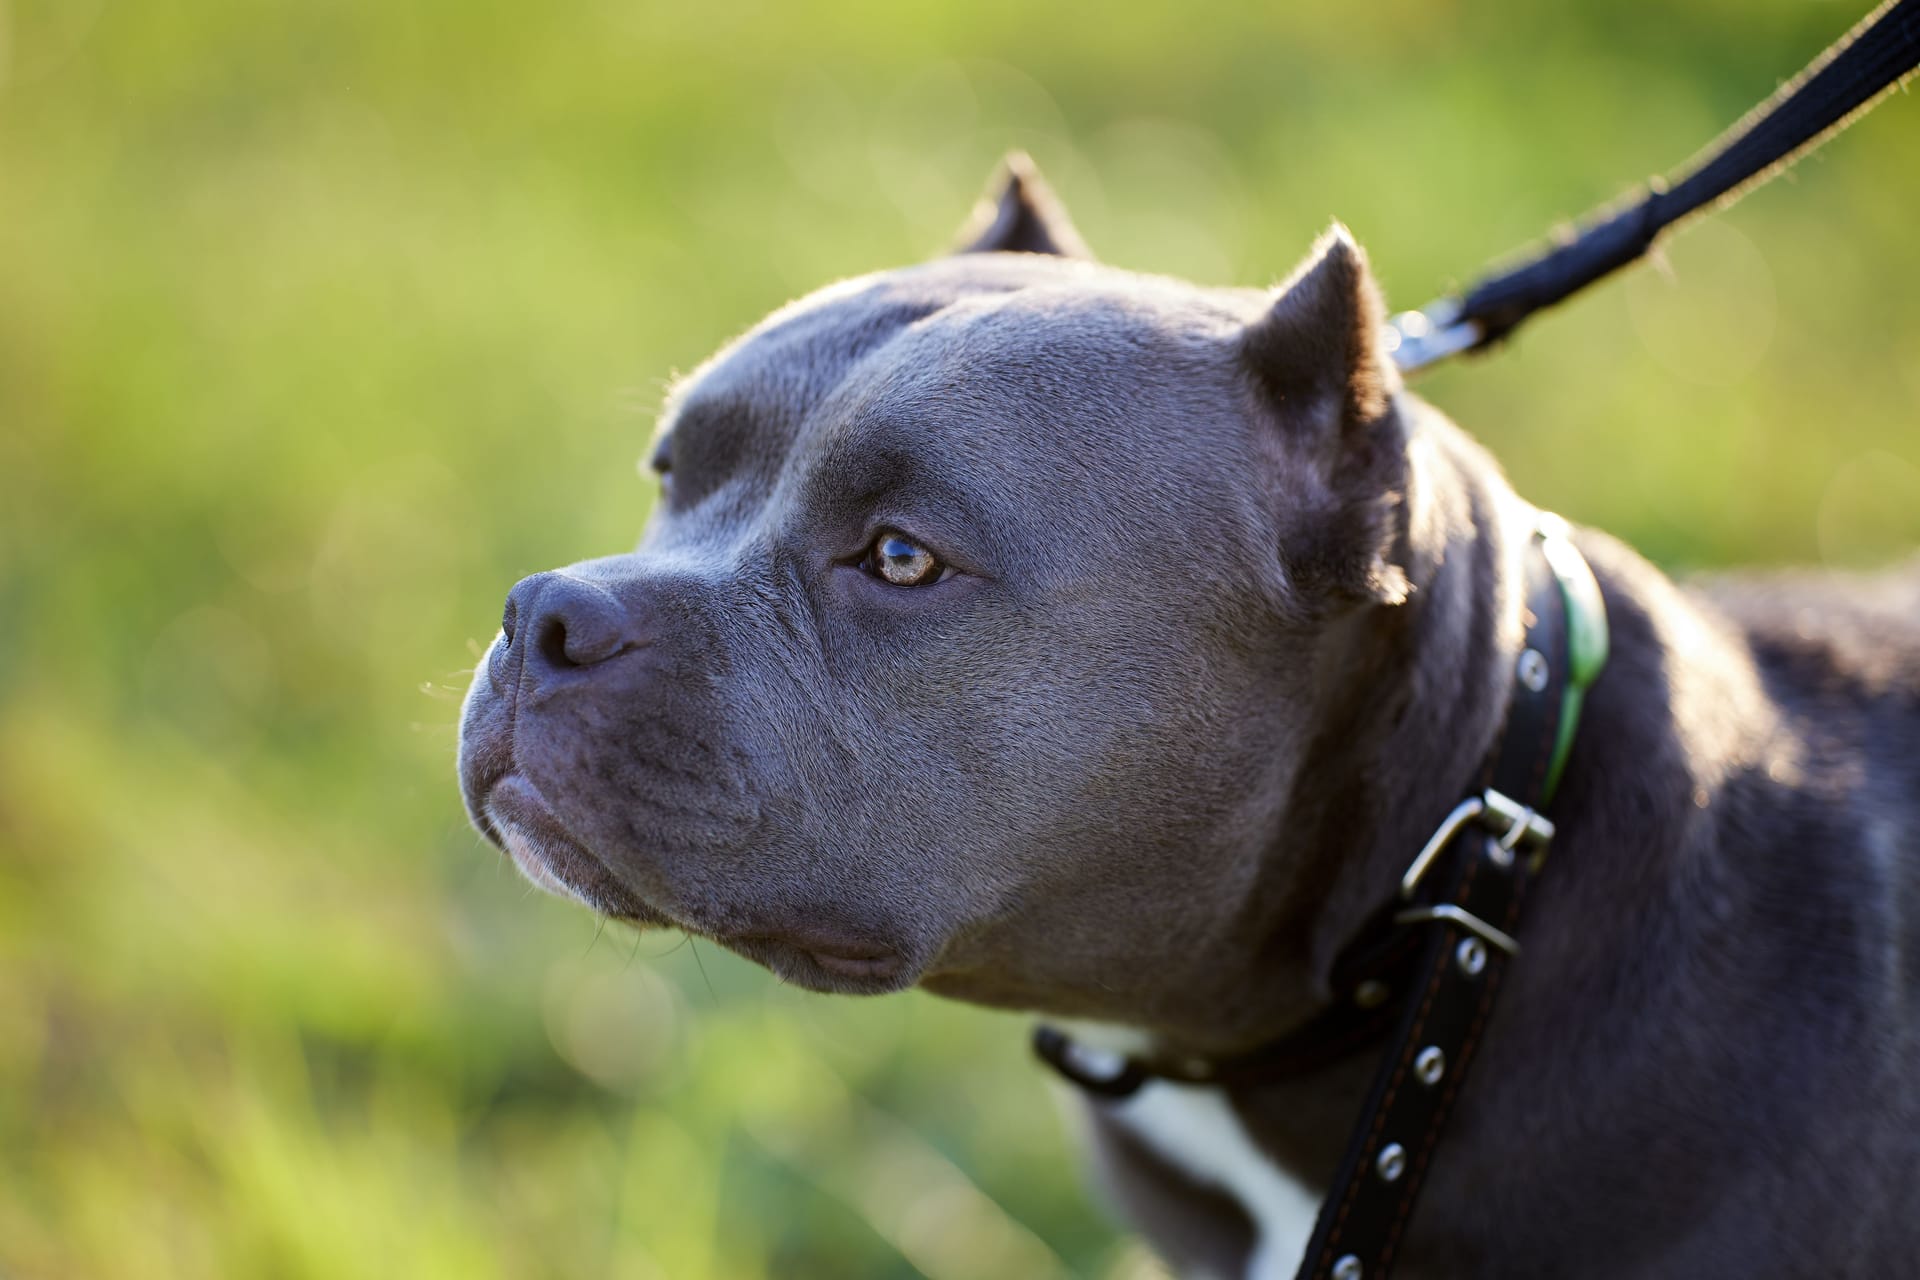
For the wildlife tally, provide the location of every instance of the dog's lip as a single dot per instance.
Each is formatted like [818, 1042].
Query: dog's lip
[524, 824]
[512, 801]
[847, 963]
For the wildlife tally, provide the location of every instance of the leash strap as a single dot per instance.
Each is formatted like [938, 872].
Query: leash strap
[1835, 88]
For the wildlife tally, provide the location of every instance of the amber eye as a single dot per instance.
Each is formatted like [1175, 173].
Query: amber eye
[903, 562]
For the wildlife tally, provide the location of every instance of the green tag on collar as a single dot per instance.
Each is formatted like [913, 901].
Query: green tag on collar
[1586, 633]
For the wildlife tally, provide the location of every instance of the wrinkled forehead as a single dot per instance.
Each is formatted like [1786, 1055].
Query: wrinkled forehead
[790, 361]
[995, 367]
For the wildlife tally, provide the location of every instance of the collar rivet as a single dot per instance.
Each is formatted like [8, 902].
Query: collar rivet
[1348, 1268]
[1391, 1163]
[1430, 1065]
[1531, 670]
[1371, 994]
[1471, 956]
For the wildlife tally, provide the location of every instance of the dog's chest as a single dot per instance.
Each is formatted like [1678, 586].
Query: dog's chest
[1198, 1136]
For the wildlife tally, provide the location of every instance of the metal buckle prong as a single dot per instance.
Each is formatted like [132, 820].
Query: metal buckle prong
[1465, 919]
[1523, 824]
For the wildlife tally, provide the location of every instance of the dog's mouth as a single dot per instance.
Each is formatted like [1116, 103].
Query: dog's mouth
[524, 824]
[520, 820]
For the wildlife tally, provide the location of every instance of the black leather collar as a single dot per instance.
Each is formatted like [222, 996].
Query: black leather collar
[1428, 965]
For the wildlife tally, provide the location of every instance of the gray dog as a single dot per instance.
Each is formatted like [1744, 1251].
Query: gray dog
[1070, 640]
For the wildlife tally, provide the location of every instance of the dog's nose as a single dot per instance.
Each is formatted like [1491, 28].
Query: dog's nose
[558, 623]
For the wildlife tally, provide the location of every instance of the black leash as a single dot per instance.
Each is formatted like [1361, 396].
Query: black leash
[1836, 87]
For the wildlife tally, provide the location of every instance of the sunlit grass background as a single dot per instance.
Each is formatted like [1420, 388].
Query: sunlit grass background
[321, 323]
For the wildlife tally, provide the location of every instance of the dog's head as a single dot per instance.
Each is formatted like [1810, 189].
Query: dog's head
[978, 630]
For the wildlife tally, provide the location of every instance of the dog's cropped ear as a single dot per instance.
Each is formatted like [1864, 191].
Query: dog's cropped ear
[1020, 214]
[1318, 348]
[1317, 357]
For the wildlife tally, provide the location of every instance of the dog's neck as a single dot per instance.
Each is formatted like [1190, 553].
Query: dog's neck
[1414, 699]
[1636, 880]
[1411, 700]
[1415, 694]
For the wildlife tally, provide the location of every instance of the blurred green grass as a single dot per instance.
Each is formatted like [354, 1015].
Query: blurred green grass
[322, 323]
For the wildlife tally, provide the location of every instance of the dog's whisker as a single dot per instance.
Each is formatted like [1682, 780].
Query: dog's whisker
[702, 966]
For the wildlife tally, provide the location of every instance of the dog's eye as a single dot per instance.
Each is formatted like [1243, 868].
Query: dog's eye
[898, 559]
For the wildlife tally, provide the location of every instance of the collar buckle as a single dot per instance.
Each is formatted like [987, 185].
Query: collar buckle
[1491, 809]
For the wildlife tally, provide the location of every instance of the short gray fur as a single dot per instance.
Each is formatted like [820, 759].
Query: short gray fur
[1232, 624]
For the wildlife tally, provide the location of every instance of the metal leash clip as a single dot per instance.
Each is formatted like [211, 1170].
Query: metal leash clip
[1416, 339]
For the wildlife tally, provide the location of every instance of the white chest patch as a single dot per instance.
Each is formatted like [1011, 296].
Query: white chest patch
[1197, 1132]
